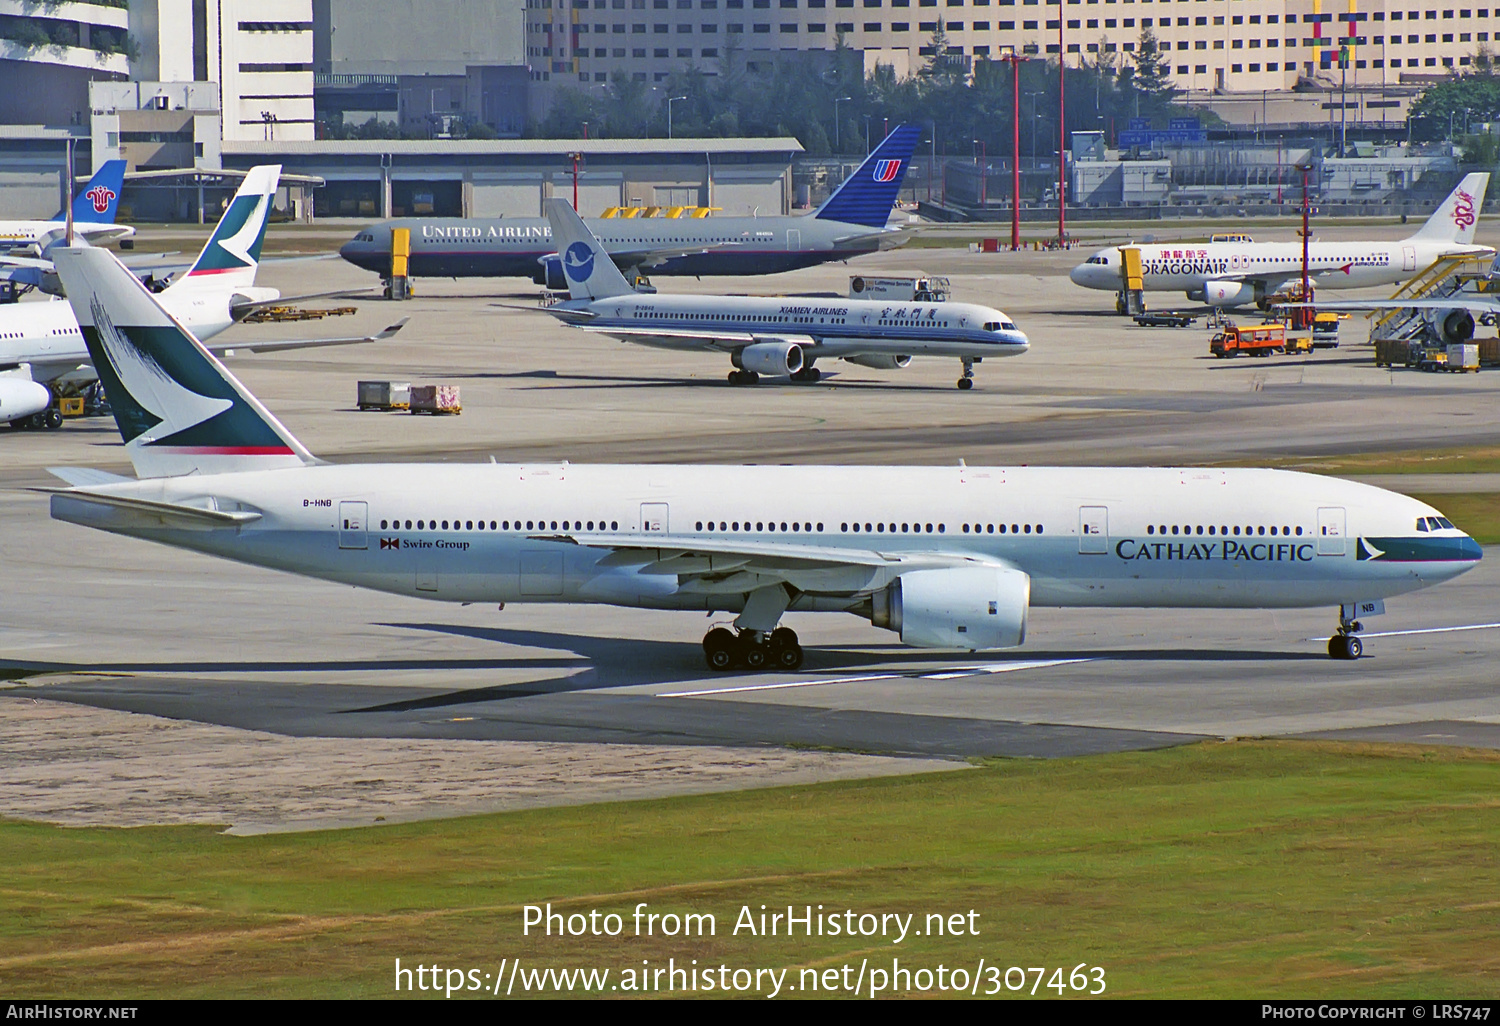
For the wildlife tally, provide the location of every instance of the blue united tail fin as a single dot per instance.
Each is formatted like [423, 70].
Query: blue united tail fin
[178, 409]
[867, 196]
[100, 199]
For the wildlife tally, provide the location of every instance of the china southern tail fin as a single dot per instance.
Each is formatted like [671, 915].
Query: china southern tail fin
[179, 410]
[100, 199]
[1459, 213]
[230, 257]
[867, 196]
[590, 272]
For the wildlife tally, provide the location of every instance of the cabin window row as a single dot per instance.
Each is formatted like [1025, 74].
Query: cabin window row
[499, 525]
[1211, 529]
[1002, 529]
[759, 525]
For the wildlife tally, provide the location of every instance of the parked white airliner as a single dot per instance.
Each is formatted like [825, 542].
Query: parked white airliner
[92, 216]
[1228, 274]
[42, 341]
[948, 557]
[773, 335]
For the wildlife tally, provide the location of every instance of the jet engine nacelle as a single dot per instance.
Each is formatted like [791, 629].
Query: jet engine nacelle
[1229, 293]
[1451, 326]
[964, 607]
[21, 397]
[880, 361]
[242, 303]
[550, 274]
[772, 358]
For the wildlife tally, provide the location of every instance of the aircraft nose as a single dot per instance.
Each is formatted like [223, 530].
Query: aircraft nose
[1079, 274]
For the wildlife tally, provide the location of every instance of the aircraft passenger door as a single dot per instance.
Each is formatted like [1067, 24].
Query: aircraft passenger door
[352, 525]
[1331, 531]
[1408, 258]
[654, 517]
[1093, 530]
[793, 239]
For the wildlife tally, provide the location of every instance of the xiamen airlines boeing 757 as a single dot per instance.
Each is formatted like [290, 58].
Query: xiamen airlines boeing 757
[1229, 274]
[948, 557]
[772, 335]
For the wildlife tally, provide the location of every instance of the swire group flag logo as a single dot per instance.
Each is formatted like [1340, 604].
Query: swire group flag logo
[101, 197]
[390, 543]
[887, 170]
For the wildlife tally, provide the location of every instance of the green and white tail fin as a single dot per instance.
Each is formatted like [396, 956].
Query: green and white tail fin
[590, 272]
[232, 254]
[179, 410]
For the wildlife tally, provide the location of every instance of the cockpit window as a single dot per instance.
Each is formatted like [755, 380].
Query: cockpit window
[1444, 522]
[1421, 524]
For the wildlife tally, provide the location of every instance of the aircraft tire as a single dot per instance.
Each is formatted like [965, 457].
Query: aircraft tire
[964, 384]
[753, 653]
[719, 649]
[1345, 646]
[52, 419]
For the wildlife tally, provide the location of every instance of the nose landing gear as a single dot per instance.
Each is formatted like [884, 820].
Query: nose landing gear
[967, 381]
[725, 650]
[1345, 643]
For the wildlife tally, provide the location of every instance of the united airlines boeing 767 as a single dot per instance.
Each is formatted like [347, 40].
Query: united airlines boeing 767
[948, 557]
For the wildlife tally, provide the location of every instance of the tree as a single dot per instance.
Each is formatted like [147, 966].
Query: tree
[1152, 76]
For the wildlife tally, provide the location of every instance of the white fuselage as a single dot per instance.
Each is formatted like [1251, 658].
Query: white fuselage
[16, 235]
[44, 334]
[1189, 267]
[826, 327]
[543, 533]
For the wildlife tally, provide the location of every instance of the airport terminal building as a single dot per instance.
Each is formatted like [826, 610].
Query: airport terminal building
[1214, 45]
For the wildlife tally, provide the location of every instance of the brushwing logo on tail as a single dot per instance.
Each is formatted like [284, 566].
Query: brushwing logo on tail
[578, 261]
[887, 170]
[101, 197]
[239, 235]
[175, 409]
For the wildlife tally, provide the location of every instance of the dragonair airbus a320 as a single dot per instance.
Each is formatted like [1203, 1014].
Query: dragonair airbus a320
[1229, 274]
[947, 557]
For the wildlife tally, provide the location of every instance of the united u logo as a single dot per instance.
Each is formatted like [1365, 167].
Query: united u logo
[886, 170]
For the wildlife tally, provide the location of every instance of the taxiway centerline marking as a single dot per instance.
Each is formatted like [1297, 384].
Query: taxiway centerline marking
[1422, 630]
[972, 671]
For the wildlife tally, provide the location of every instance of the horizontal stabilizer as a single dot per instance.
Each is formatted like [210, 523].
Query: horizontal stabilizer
[172, 514]
[82, 477]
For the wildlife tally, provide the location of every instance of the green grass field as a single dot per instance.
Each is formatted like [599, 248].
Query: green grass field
[1228, 869]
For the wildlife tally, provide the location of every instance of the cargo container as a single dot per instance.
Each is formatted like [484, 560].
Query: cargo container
[384, 395]
[435, 399]
[1463, 357]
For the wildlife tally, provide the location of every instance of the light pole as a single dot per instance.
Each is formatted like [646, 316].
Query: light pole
[867, 135]
[671, 100]
[836, 103]
[981, 162]
[1062, 132]
[1015, 59]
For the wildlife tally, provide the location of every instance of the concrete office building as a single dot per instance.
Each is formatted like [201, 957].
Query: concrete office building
[1223, 46]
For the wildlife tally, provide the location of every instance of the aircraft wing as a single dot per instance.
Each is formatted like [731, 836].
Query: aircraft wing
[702, 338]
[1474, 303]
[657, 255]
[218, 345]
[735, 565]
[241, 309]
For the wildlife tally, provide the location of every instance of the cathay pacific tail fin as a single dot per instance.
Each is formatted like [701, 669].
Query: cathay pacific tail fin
[178, 409]
[590, 271]
[1459, 213]
[230, 257]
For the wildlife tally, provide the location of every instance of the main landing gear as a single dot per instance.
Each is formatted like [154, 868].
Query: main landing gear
[743, 377]
[967, 381]
[807, 375]
[48, 420]
[725, 650]
[1345, 643]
